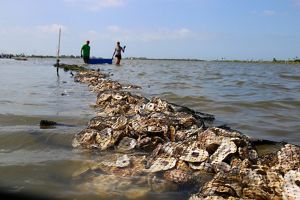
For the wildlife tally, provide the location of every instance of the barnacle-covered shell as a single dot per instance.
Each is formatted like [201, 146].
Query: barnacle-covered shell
[194, 155]
[209, 140]
[225, 133]
[221, 167]
[218, 187]
[127, 144]
[105, 139]
[255, 193]
[196, 197]
[150, 107]
[86, 138]
[102, 97]
[99, 122]
[288, 158]
[275, 182]
[162, 164]
[118, 96]
[120, 123]
[204, 166]
[227, 147]
[291, 185]
[178, 176]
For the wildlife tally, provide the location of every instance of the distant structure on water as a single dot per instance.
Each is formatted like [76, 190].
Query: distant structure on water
[6, 55]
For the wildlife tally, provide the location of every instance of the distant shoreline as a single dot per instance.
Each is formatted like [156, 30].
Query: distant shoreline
[274, 61]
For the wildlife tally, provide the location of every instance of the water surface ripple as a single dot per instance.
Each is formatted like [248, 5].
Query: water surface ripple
[260, 100]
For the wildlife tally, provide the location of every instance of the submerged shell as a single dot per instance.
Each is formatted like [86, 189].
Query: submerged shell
[194, 155]
[178, 176]
[162, 164]
[121, 162]
[127, 144]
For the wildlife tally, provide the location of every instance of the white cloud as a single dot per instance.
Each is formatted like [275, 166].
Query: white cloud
[52, 28]
[154, 35]
[95, 5]
[114, 29]
[166, 34]
[269, 12]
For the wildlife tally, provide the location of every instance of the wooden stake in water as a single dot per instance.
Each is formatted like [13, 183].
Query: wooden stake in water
[58, 51]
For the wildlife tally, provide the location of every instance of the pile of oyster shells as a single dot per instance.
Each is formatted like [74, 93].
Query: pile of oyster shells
[172, 147]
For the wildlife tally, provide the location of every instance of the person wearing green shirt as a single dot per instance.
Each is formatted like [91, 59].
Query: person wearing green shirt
[85, 52]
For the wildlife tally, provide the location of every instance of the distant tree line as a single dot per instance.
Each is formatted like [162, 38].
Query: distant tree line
[5, 55]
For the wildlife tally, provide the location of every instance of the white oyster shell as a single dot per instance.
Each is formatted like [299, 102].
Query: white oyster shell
[121, 162]
[162, 164]
[227, 147]
[194, 155]
[291, 188]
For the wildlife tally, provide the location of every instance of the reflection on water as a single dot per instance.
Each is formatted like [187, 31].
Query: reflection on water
[261, 100]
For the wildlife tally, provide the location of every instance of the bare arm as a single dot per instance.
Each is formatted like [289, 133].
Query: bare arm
[113, 54]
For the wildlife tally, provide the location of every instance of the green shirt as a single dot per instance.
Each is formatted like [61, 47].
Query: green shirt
[85, 50]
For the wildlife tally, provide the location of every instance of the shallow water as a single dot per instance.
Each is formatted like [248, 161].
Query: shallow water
[260, 100]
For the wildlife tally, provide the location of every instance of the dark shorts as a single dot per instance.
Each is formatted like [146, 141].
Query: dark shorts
[86, 59]
[118, 56]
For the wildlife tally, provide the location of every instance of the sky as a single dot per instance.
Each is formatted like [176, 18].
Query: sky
[195, 29]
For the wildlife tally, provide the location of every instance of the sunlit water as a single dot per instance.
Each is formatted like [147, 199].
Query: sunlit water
[260, 100]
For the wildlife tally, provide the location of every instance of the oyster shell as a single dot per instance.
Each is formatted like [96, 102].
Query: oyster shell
[162, 164]
[178, 176]
[120, 123]
[291, 185]
[85, 138]
[194, 155]
[127, 144]
[288, 158]
[226, 148]
[104, 139]
[121, 162]
[204, 166]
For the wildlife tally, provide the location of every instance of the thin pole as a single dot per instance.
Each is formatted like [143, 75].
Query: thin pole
[58, 51]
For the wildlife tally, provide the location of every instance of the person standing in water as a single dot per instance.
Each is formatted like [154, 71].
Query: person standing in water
[118, 52]
[85, 52]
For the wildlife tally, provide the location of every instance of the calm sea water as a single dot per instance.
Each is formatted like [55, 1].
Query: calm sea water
[260, 100]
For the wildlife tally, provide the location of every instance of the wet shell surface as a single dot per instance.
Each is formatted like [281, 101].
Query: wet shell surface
[176, 143]
[162, 164]
[127, 144]
[178, 176]
[85, 138]
[121, 162]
